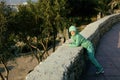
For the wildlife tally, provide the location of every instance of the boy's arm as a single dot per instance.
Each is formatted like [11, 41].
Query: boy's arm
[76, 43]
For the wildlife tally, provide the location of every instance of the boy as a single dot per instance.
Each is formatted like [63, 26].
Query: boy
[79, 40]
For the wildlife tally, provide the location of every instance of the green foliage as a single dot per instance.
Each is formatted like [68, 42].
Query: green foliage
[81, 11]
[2, 21]
[5, 12]
[114, 4]
[103, 7]
[83, 7]
[45, 19]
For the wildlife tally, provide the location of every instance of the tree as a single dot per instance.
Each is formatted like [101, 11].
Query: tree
[114, 4]
[2, 22]
[6, 69]
[51, 14]
[4, 14]
[49, 17]
[42, 20]
[103, 7]
[81, 8]
[59, 18]
[23, 24]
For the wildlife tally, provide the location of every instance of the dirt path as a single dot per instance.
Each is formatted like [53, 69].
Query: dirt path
[20, 67]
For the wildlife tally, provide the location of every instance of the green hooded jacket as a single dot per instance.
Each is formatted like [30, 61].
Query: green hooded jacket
[78, 39]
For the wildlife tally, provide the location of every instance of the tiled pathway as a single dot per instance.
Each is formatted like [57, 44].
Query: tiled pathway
[108, 54]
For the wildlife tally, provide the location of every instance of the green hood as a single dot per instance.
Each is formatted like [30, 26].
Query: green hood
[72, 28]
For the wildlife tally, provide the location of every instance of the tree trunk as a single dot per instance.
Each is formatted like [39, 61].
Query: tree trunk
[2, 78]
[45, 50]
[54, 42]
[6, 70]
[39, 55]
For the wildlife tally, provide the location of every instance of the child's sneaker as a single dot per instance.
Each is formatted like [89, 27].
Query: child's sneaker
[100, 71]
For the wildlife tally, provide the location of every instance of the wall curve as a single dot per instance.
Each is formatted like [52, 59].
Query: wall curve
[67, 63]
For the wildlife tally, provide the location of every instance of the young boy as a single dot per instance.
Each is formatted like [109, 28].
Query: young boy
[79, 40]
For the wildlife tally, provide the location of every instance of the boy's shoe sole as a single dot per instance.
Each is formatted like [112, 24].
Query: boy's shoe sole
[100, 72]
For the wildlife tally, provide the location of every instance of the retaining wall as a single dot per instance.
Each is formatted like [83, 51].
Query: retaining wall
[67, 63]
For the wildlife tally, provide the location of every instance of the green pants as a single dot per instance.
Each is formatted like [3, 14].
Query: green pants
[90, 52]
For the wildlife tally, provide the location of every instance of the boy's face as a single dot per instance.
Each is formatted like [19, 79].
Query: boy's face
[72, 33]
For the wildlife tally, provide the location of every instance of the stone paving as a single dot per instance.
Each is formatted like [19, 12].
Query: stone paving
[108, 54]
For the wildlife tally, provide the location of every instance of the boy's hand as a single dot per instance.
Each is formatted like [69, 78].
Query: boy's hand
[65, 44]
[69, 41]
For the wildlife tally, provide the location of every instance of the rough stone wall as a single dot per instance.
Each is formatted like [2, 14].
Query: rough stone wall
[96, 30]
[67, 63]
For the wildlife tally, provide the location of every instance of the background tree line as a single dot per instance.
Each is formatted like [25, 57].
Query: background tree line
[37, 24]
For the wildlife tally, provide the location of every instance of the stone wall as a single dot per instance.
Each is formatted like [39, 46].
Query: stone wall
[67, 63]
